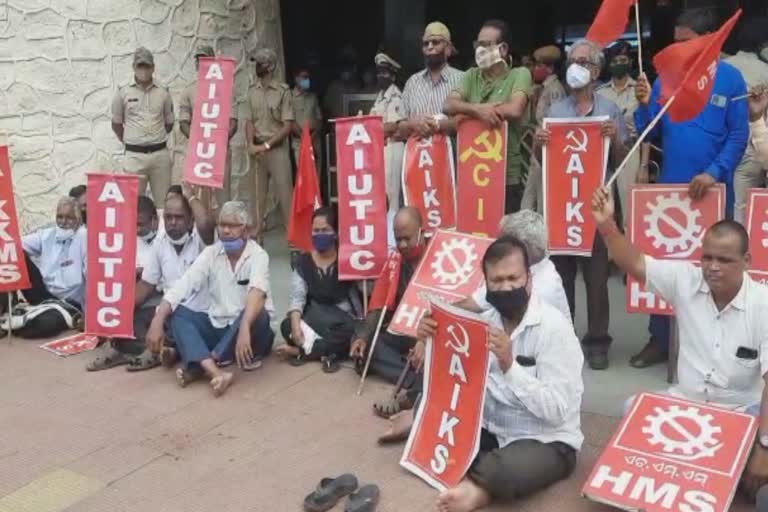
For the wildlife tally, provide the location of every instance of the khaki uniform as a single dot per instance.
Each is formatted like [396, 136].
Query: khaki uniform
[269, 106]
[389, 105]
[306, 107]
[186, 107]
[144, 114]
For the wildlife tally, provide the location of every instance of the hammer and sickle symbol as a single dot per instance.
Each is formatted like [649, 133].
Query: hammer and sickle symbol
[579, 143]
[490, 150]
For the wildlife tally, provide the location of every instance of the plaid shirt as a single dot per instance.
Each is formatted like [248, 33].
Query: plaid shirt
[422, 97]
[542, 401]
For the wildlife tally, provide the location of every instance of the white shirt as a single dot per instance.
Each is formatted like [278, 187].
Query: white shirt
[61, 263]
[164, 267]
[547, 285]
[143, 252]
[227, 288]
[709, 369]
[542, 401]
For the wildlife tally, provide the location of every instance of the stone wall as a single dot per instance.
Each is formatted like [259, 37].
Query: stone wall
[61, 61]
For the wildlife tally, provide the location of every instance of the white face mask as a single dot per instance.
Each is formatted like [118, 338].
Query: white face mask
[180, 241]
[487, 57]
[577, 76]
[149, 236]
[63, 234]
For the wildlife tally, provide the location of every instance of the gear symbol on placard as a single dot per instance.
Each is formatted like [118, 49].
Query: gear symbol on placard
[454, 262]
[765, 230]
[688, 234]
[696, 445]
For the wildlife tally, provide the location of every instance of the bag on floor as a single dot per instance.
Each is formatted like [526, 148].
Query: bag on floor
[49, 318]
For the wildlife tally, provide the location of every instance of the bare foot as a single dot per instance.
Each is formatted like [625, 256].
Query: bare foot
[220, 383]
[286, 351]
[185, 376]
[465, 497]
[399, 427]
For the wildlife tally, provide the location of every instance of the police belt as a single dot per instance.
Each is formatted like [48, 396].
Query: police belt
[153, 148]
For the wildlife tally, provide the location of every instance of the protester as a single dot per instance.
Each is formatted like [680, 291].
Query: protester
[703, 151]
[493, 93]
[322, 314]
[393, 351]
[306, 109]
[142, 118]
[235, 273]
[585, 61]
[269, 119]
[531, 415]
[147, 224]
[388, 104]
[79, 194]
[186, 108]
[722, 321]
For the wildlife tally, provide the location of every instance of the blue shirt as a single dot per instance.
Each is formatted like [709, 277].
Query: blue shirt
[62, 263]
[713, 142]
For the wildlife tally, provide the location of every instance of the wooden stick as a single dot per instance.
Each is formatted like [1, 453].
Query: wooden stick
[639, 141]
[365, 297]
[370, 352]
[639, 36]
[401, 379]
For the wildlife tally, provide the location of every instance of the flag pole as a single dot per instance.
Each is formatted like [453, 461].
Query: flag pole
[365, 297]
[639, 37]
[639, 141]
[370, 352]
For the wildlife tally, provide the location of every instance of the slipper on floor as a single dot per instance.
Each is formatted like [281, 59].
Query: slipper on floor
[146, 361]
[388, 408]
[329, 491]
[364, 500]
[299, 360]
[330, 364]
[108, 358]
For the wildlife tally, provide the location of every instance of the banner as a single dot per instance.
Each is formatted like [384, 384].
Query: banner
[206, 159]
[666, 224]
[445, 437]
[450, 270]
[671, 454]
[428, 182]
[111, 283]
[13, 267]
[71, 345]
[756, 224]
[573, 166]
[482, 177]
[362, 197]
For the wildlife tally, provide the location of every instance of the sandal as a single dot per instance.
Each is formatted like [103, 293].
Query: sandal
[388, 408]
[330, 364]
[109, 358]
[364, 500]
[146, 361]
[299, 360]
[329, 491]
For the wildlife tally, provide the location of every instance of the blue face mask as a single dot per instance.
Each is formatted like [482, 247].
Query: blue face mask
[233, 246]
[323, 241]
[303, 84]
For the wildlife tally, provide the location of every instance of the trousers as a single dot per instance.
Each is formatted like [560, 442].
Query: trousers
[154, 168]
[275, 164]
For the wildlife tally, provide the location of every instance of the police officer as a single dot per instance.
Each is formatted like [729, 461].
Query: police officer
[142, 118]
[306, 108]
[187, 105]
[269, 117]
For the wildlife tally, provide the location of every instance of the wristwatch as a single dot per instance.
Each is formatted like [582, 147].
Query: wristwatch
[762, 440]
[266, 145]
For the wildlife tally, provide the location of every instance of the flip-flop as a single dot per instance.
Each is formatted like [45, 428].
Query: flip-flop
[299, 360]
[364, 500]
[109, 358]
[329, 491]
[330, 364]
[145, 361]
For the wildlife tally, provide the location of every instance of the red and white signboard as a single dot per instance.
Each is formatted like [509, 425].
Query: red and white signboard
[71, 345]
[672, 454]
[206, 159]
[111, 283]
[445, 436]
[666, 224]
[362, 197]
[428, 180]
[13, 268]
[573, 165]
[450, 270]
[756, 223]
[482, 177]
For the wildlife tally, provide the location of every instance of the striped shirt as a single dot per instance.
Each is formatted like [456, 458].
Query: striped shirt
[422, 97]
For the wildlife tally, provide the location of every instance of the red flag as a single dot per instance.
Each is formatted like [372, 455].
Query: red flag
[687, 71]
[385, 289]
[610, 22]
[13, 268]
[306, 195]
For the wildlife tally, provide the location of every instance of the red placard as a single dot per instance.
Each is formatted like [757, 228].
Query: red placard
[445, 436]
[13, 268]
[71, 345]
[362, 197]
[206, 159]
[667, 224]
[111, 283]
[482, 177]
[756, 223]
[573, 164]
[672, 454]
[450, 270]
[428, 180]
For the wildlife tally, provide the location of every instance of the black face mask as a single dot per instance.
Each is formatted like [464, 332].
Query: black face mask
[435, 61]
[510, 303]
[262, 70]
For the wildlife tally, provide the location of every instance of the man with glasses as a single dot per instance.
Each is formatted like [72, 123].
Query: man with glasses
[493, 92]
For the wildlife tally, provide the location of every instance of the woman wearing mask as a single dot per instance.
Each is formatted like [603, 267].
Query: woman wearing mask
[323, 311]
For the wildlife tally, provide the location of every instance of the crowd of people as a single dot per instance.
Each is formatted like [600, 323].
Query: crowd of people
[204, 296]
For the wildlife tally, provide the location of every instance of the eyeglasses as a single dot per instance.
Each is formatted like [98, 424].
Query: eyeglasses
[432, 42]
[582, 62]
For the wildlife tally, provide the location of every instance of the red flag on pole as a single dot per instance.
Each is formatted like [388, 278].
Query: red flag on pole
[610, 22]
[306, 195]
[13, 268]
[687, 71]
[385, 289]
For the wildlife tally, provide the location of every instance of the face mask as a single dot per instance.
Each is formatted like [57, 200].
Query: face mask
[383, 82]
[510, 303]
[180, 241]
[578, 77]
[149, 236]
[262, 70]
[64, 234]
[323, 241]
[487, 57]
[413, 254]
[435, 61]
[304, 84]
[619, 70]
[233, 246]
[143, 75]
[540, 74]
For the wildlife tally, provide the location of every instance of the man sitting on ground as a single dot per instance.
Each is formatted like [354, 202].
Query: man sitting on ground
[531, 418]
[722, 320]
[235, 273]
